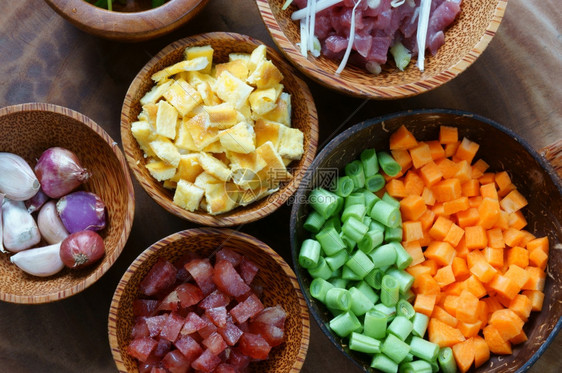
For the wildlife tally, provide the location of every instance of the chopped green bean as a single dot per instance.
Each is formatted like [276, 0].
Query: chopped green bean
[344, 324]
[389, 291]
[374, 183]
[314, 222]
[423, 349]
[390, 312]
[357, 211]
[355, 171]
[370, 199]
[384, 364]
[368, 291]
[390, 200]
[344, 186]
[348, 274]
[339, 282]
[337, 260]
[418, 366]
[420, 322]
[405, 280]
[386, 214]
[309, 253]
[322, 270]
[354, 228]
[330, 241]
[370, 163]
[383, 256]
[319, 287]
[374, 324]
[403, 259]
[395, 348]
[355, 198]
[400, 327]
[370, 240]
[447, 360]
[388, 164]
[393, 234]
[339, 299]
[405, 308]
[363, 343]
[360, 264]
[324, 202]
[360, 303]
[374, 278]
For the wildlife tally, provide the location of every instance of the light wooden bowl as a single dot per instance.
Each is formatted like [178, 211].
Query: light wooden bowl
[465, 40]
[531, 172]
[134, 24]
[28, 130]
[304, 117]
[280, 287]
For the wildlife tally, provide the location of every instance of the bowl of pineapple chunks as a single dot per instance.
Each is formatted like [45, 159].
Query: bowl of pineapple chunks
[218, 129]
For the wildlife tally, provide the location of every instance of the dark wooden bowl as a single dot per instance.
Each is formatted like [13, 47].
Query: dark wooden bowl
[28, 130]
[280, 287]
[134, 24]
[465, 40]
[503, 150]
[304, 117]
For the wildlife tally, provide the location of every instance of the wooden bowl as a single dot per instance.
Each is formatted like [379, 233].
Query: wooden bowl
[503, 150]
[28, 130]
[304, 118]
[280, 287]
[465, 40]
[131, 25]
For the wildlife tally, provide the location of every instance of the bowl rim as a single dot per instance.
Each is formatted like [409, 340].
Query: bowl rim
[220, 232]
[425, 84]
[130, 208]
[125, 25]
[336, 141]
[276, 199]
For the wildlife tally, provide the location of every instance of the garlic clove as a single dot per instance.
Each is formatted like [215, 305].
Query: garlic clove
[1, 245]
[17, 180]
[20, 231]
[50, 225]
[41, 261]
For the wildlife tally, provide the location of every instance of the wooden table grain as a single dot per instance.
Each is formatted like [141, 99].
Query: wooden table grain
[517, 82]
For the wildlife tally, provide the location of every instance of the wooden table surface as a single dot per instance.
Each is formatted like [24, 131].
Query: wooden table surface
[517, 82]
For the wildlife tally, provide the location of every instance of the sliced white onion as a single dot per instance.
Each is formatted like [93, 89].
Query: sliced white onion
[351, 40]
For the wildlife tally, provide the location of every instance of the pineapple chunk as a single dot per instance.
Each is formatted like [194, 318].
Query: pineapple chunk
[239, 138]
[188, 168]
[160, 170]
[291, 143]
[266, 75]
[183, 96]
[188, 195]
[166, 120]
[231, 89]
[166, 150]
[155, 93]
[264, 100]
[204, 51]
[222, 116]
[281, 113]
[196, 64]
[214, 167]
[238, 68]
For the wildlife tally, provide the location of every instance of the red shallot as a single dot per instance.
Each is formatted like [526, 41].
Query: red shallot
[81, 211]
[81, 249]
[60, 172]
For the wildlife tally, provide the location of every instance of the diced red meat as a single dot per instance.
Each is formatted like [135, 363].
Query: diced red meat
[158, 370]
[170, 303]
[208, 329]
[226, 368]
[202, 272]
[272, 315]
[216, 299]
[230, 333]
[238, 359]
[174, 323]
[188, 347]
[144, 307]
[141, 348]
[192, 324]
[379, 49]
[161, 276]
[215, 343]
[246, 309]
[322, 26]
[384, 6]
[228, 280]
[155, 324]
[162, 348]
[140, 329]
[248, 270]
[229, 255]
[148, 366]
[175, 362]
[443, 15]
[272, 334]
[206, 362]
[254, 346]
[336, 43]
[217, 315]
[435, 42]
[188, 294]
[362, 44]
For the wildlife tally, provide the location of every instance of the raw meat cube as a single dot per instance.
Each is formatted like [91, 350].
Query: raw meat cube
[192, 324]
[226, 368]
[230, 333]
[189, 347]
[248, 270]
[216, 299]
[272, 315]
[208, 329]
[217, 315]
[202, 272]
[206, 362]
[161, 276]
[272, 334]
[215, 343]
[144, 307]
[175, 362]
[157, 370]
[155, 324]
[141, 348]
[246, 309]
[228, 280]
[230, 255]
[162, 348]
[238, 359]
[172, 327]
[189, 294]
[254, 346]
[140, 329]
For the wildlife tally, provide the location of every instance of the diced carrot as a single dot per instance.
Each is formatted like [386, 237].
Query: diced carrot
[495, 342]
[483, 271]
[402, 157]
[503, 181]
[536, 297]
[440, 314]
[475, 256]
[512, 237]
[475, 286]
[517, 275]
[481, 351]
[447, 190]
[528, 237]
[467, 306]
[421, 155]
[469, 329]
[478, 168]
[538, 258]
[431, 264]
[450, 304]
[431, 174]
[507, 322]
[442, 334]
[413, 248]
[426, 285]
[427, 219]
[426, 240]
[486, 178]
[444, 276]
[448, 135]
[395, 188]
[436, 150]
[464, 171]
[482, 311]
[428, 196]
[451, 149]
[468, 217]
[495, 238]
[516, 220]
[464, 354]
[518, 256]
[412, 207]
[536, 279]
[493, 304]
[470, 188]
[504, 301]
[504, 286]
[474, 201]
[502, 221]
[461, 249]
[519, 338]
[460, 269]
[456, 205]
[494, 256]
[522, 306]
[447, 167]
[489, 190]
[402, 138]
[438, 209]
[455, 288]
[440, 228]
[538, 243]
[466, 150]
[413, 183]
[454, 235]
[416, 270]
[489, 212]
[425, 303]
[441, 252]
[475, 237]
[412, 231]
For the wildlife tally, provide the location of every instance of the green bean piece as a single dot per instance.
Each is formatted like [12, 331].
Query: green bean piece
[309, 253]
[348, 274]
[339, 299]
[360, 303]
[390, 312]
[383, 256]
[395, 348]
[408, 296]
[418, 366]
[386, 214]
[322, 270]
[447, 360]
[403, 259]
[360, 264]
[405, 308]
[384, 364]
[389, 291]
[400, 327]
[374, 183]
[374, 324]
[344, 324]
[374, 278]
[354, 228]
[344, 186]
[368, 291]
[355, 171]
[337, 260]
[390, 200]
[339, 282]
[363, 343]
[420, 322]
[330, 241]
[349, 243]
[393, 234]
[324, 202]
[423, 349]
[319, 287]
[370, 163]
[370, 240]
[314, 222]
[405, 280]
[355, 198]
[357, 211]
[388, 164]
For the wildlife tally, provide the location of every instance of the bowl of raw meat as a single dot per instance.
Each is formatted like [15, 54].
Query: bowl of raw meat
[509, 329]
[384, 61]
[209, 300]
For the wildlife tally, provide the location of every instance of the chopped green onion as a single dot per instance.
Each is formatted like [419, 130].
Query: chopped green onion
[363, 343]
[370, 163]
[388, 164]
[309, 253]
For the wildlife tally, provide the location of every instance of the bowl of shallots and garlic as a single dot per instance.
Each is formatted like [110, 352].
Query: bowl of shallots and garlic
[67, 202]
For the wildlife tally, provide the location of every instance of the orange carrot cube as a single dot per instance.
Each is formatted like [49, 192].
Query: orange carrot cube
[538, 243]
[516, 220]
[447, 190]
[504, 286]
[468, 217]
[538, 258]
[522, 306]
[475, 237]
[507, 322]
[517, 275]
[467, 306]
[495, 341]
[518, 256]
[440, 314]
[502, 222]
[489, 211]
[536, 279]
[437, 151]
[470, 188]
[464, 354]
[478, 168]
[460, 269]
[440, 228]
[441, 252]
[469, 330]
[421, 155]
[395, 188]
[447, 167]
[495, 238]
[489, 190]
[413, 183]
[428, 196]
[425, 303]
[519, 338]
[536, 297]
[512, 237]
[450, 303]
[456, 205]
[426, 285]
[431, 174]
[454, 235]
[466, 150]
[476, 287]
[448, 135]
[402, 138]
[402, 157]
[481, 351]
[413, 248]
[444, 276]
[412, 231]
[412, 207]
[486, 178]
[503, 181]
[494, 256]
[483, 271]
[442, 334]
[427, 219]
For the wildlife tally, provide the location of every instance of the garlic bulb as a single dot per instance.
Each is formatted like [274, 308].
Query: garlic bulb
[17, 180]
[41, 261]
[19, 229]
[50, 225]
